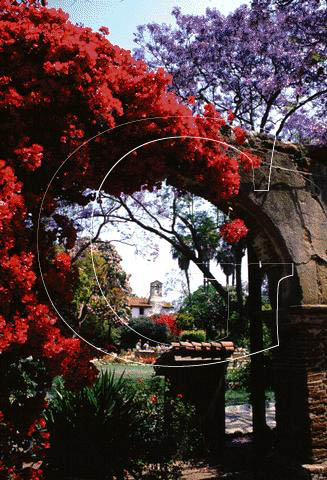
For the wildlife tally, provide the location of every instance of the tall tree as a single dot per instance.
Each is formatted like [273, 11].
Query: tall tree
[191, 229]
[95, 310]
[208, 310]
[265, 63]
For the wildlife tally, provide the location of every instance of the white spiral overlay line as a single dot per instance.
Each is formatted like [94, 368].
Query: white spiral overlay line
[118, 161]
[270, 167]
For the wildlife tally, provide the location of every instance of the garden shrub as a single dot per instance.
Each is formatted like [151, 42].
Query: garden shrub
[153, 332]
[239, 378]
[170, 432]
[120, 425]
[90, 430]
[193, 336]
[185, 321]
[208, 310]
[168, 319]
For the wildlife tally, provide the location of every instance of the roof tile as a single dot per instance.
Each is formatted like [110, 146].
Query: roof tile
[138, 302]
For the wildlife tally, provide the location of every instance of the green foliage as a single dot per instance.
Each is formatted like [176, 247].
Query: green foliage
[98, 314]
[238, 378]
[237, 397]
[116, 335]
[208, 310]
[238, 329]
[90, 430]
[143, 326]
[203, 236]
[193, 336]
[26, 379]
[118, 425]
[170, 431]
[185, 321]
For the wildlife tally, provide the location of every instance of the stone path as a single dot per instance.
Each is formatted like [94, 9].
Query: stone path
[239, 418]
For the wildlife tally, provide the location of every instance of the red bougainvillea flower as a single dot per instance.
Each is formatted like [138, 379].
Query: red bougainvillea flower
[191, 100]
[154, 399]
[61, 84]
[104, 30]
[231, 116]
[42, 423]
[180, 395]
[240, 135]
[169, 320]
[249, 161]
[235, 230]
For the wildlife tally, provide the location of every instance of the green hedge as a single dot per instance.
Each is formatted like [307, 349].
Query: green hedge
[193, 336]
[144, 329]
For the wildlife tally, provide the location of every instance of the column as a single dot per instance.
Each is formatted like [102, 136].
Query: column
[301, 383]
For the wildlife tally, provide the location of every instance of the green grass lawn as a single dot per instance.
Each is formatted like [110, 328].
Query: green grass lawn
[145, 372]
[239, 397]
[131, 371]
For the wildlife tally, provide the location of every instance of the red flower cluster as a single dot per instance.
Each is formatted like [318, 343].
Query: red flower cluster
[249, 161]
[69, 84]
[230, 116]
[235, 230]
[30, 157]
[169, 320]
[240, 135]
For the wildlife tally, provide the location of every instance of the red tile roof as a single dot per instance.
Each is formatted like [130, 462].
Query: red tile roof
[196, 352]
[202, 347]
[138, 302]
[144, 302]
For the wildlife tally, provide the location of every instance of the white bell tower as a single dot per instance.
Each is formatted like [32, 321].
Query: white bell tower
[156, 296]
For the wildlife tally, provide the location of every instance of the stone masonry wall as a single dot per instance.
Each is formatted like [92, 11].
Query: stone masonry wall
[301, 393]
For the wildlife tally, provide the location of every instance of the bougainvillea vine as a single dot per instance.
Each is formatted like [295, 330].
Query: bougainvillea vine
[62, 84]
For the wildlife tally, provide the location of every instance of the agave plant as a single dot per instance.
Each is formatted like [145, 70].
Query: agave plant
[91, 429]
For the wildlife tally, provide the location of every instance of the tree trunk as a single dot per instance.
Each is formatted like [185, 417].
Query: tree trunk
[238, 267]
[257, 374]
[188, 282]
[274, 274]
[217, 286]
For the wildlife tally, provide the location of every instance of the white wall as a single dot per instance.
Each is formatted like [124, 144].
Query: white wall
[149, 311]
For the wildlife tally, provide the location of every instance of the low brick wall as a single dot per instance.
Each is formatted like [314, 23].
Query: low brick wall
[239, 358]
[140, 354]
[301, 383]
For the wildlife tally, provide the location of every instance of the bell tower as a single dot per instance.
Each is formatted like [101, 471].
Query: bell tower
[155, 289]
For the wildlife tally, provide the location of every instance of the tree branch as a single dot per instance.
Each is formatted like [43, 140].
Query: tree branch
[315, 95]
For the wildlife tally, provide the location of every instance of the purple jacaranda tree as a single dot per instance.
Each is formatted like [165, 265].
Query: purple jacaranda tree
[266, 63]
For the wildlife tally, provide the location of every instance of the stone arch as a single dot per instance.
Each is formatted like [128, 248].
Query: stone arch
[289, 224]
[292, 215]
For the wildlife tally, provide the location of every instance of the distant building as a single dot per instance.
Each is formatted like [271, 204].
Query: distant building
[155, 304]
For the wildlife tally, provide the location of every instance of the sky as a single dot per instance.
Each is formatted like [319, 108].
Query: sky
[122, 18]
